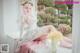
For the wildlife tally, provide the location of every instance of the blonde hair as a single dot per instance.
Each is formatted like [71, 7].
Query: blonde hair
[23, 2]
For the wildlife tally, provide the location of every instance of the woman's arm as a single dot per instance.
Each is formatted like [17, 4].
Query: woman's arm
[49, 28]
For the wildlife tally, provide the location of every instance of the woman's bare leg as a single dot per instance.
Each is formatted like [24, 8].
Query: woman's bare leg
[66, 42]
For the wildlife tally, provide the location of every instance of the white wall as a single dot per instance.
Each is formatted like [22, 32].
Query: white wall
[76, 28]
[10, 15]
[1, 23]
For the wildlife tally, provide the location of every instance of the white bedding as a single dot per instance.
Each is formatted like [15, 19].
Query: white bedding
[64, 50]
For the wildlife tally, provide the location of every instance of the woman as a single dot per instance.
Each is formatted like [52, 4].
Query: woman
[31, 31]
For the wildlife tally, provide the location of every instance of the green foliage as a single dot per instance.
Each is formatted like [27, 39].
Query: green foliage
[65, 17]
[50, 10]
[70, 11]
[50, 17]
[64, 12]
[65, 20]
[70, 6]
[40, 21]
[45, 18]
[41, 7]
[40, 2]
[48, 3]
[61, 6]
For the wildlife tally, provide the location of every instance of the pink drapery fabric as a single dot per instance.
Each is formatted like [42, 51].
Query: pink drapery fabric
[26, 47]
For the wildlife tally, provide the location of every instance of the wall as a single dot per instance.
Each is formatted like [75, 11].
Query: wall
[76, 28]
[11, 16]
[1, 23]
